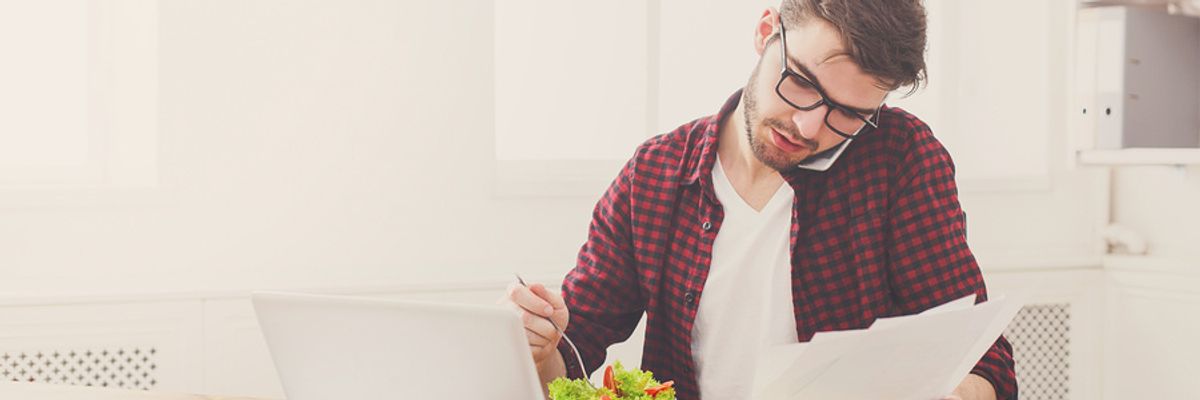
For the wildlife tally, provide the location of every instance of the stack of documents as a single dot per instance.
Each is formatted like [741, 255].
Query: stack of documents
[917, 357]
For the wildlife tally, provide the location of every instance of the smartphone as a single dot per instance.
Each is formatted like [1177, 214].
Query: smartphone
[823, 160]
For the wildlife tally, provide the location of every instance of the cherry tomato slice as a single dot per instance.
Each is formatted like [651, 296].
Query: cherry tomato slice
[654, 390]
[610, 381]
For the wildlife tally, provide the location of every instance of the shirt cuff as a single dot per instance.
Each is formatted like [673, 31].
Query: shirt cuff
[572, 364]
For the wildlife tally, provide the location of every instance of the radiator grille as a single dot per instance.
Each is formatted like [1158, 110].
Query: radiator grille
[126, 368]
[1041, 340]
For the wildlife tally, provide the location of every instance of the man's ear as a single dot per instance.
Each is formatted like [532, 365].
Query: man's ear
[765, 29]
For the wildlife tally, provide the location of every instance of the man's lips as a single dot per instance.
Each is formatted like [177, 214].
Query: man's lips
[785, 142]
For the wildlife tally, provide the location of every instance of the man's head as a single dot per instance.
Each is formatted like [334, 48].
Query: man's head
[844, 56]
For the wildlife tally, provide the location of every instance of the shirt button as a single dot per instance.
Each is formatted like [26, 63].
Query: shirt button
[689, 298]
[706, 225]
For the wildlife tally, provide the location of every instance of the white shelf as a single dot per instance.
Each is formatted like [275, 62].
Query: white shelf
[1150, 263]
[1163, 156]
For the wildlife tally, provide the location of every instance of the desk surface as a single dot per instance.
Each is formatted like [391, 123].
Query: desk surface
[41, 391]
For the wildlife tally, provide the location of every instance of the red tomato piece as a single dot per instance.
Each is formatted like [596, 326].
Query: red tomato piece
[654, 390]
[610, 380]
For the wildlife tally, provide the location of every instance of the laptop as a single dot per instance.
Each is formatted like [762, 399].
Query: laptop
[334, 347]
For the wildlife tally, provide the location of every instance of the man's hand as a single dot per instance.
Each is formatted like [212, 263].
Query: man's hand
[974, 387]
[535, 304]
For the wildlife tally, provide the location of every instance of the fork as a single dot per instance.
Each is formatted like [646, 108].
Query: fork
[564, 336]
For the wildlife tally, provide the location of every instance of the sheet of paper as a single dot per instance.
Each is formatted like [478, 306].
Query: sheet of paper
[819, 354]
[1007, 311]
[914, 357]
[953, 305]
[776, 360]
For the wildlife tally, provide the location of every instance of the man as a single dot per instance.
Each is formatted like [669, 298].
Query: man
[739, 230]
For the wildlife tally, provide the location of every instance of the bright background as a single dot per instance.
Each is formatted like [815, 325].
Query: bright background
[179, 153]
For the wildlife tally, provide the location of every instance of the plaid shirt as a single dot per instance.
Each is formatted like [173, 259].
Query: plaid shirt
[879, 234]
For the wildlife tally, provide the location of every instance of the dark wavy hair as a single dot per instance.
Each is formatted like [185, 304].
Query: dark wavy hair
[886, 38]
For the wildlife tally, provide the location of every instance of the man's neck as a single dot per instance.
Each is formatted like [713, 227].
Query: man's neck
[737, 157]
[753, 181]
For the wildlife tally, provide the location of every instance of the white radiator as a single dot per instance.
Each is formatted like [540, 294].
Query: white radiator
[126, 368]
[1041, 338]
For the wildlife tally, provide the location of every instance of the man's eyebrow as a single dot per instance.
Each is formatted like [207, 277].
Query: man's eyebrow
[813, 77]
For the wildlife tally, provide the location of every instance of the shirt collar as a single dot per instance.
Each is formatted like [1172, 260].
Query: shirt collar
[704, 155]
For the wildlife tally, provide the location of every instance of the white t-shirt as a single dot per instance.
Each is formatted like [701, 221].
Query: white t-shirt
[747, 300]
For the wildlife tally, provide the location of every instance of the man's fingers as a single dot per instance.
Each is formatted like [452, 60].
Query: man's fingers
[535, 339]
[533, 310]
[534, 306]
[525, 298]
[538, 324]
[560, 313]
[554, 299]
[534, 322]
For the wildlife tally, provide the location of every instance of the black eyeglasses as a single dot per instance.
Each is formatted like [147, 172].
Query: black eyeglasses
[803, 94]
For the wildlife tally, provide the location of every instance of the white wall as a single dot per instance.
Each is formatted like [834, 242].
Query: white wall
[302, 142]
[354, 141]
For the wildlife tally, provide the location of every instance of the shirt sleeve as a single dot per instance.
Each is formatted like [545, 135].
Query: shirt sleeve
[602, 291]
[928, 254]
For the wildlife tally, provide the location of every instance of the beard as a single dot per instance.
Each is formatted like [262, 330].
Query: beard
[768, 153]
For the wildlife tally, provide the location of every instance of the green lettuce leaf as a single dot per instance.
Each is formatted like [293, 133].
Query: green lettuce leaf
[631, 384]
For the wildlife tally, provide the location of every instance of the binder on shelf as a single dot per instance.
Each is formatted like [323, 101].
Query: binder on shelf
[1138, 78]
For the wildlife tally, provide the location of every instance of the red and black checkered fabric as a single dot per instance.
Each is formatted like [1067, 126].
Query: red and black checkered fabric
[879, 234]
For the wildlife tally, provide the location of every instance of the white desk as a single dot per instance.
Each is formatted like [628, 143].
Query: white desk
[41, 391]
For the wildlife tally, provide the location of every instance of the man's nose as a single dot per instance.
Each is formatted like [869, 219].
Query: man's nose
[810, 122]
